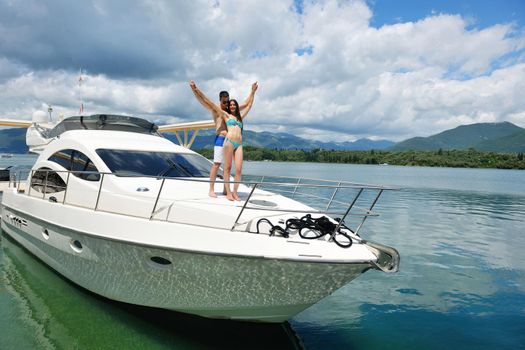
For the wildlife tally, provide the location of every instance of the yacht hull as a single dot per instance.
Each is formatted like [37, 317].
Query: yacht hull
[209, 285]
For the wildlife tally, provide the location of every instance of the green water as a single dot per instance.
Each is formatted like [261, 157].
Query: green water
[461, 236]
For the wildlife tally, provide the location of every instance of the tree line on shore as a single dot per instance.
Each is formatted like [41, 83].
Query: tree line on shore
[470, 158]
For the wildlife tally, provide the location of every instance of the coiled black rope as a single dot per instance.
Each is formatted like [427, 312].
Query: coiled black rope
[274, 228]
[318, 227]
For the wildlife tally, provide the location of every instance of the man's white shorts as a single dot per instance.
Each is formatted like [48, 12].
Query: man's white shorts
[218, 149]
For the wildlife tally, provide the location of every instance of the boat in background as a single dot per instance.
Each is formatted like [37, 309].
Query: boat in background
[6, 155]
[120, 210]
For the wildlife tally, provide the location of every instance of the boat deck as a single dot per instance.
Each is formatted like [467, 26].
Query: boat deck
[4, 185]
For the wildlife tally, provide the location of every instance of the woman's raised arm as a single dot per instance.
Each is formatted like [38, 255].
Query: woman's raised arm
[247, 105]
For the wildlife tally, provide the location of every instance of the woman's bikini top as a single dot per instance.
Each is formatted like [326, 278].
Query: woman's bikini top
[232, 122]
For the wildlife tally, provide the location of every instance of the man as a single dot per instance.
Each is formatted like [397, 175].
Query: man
[220, 132]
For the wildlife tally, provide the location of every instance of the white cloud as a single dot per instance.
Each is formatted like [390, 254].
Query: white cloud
[351, 80]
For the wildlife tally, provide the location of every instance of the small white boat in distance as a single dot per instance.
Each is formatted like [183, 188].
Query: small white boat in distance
[6, 155]
[125, 213]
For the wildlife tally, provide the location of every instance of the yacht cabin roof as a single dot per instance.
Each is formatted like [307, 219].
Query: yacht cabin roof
[104, 122]
[121, 140]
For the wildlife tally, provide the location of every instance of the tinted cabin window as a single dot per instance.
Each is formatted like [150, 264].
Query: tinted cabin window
[52, 184]
[63, 158]
[136, 163]
[82, 163]
[78, 162]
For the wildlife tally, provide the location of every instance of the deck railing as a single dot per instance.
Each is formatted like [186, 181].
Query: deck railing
[324, 197]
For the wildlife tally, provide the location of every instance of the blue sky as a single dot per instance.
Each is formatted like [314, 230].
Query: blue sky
[479, 14]
[327, 69]
[483, 12]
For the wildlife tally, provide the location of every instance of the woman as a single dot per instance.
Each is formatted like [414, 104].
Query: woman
[233, 142]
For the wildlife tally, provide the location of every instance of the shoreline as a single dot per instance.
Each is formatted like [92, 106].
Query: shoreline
[471, 158]
[457, 159]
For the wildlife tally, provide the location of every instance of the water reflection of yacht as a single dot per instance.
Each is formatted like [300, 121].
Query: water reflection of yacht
[37, 303]
[123, 212]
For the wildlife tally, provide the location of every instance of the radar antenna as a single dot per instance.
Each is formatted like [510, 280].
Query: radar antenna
[50, 110]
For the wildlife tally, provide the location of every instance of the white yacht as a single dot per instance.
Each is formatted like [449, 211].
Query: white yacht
[120, 210]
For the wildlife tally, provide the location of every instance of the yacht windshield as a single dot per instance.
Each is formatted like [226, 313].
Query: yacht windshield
[137, 163]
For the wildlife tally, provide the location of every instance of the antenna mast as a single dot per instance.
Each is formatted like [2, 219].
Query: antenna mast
[80, 80]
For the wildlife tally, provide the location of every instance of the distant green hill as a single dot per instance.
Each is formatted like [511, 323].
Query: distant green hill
[512, 143]
[498, 137]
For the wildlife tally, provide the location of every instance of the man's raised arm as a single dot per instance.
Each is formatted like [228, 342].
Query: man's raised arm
[204, 101]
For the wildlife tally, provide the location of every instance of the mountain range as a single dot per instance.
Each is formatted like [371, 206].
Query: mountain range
[267, 139]
[495, 137]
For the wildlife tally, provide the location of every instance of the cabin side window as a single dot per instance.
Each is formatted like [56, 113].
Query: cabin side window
[77, 162]
[82, 163]
[63, 158]
[47, 180]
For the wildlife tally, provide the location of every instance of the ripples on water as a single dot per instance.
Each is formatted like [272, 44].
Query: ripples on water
[461, 236]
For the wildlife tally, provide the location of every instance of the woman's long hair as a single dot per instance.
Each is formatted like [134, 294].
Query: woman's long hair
[237, 114]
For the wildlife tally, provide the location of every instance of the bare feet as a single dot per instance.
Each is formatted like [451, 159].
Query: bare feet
[236, 197]
[230, 197]
[212, 194]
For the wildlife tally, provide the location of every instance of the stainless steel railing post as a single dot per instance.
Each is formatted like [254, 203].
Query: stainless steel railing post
[67, 185]
[333, 196]
[295, 189]
[244, 206]
[369, 210]
[99, 191]
[30, 182]
[157, 200]
[45, 185]
[346, 213]
[19, 178]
